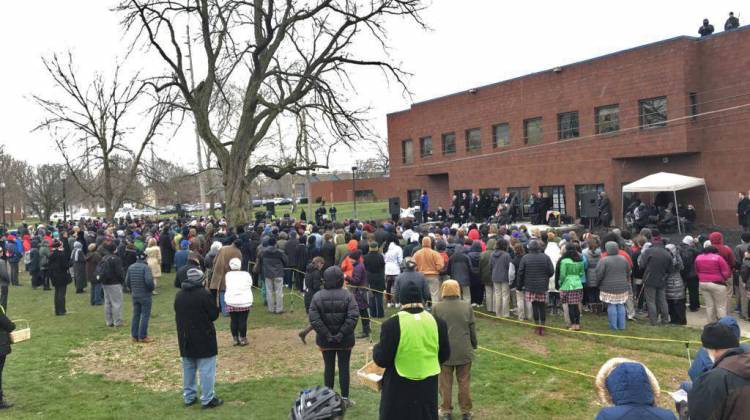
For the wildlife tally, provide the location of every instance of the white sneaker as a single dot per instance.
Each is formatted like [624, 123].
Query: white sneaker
[390, 305]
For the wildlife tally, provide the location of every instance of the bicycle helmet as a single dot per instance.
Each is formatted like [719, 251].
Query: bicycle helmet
[319, 403]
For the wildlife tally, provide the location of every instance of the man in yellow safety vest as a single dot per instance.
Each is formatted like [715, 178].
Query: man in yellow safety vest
[413, 344]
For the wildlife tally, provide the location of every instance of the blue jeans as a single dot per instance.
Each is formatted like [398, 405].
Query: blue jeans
[141, 315]
[222, 304]
[616, 315]
[97, 294]
[206, 369]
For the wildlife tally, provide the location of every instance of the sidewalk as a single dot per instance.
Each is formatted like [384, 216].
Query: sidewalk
[698, 320]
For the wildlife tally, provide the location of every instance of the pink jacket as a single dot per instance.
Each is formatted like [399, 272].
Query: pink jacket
[711, 268]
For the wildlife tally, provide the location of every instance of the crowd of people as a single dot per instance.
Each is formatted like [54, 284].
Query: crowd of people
[434, 275]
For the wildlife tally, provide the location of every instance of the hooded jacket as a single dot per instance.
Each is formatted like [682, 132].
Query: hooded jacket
[342, 250]
[723, 393]
[717, 240]
[485, 269]
[612, 272]
[535, 270]
[195, 312]
[459, 267]
[334, 313]
[500, 262]
[429, 262]
[629, 387]
[675, 286]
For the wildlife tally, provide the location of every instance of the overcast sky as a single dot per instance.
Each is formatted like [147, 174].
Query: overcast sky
[471, 43]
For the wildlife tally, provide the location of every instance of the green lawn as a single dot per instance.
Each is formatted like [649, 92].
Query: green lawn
[44, 377]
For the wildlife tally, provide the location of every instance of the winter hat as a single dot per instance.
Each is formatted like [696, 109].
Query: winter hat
[718, 336]
[355, 255]
[215, 246]
[271, 241]
[194, 279]
[184, 244]
[374, 246]
[446, 231]
[688, 240]
[140, 256]
[235, 264]
[707, 244]
[410, 293]
[451, 288]
[612, 248]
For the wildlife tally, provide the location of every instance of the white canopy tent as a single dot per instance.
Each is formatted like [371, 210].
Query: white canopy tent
[665, 181]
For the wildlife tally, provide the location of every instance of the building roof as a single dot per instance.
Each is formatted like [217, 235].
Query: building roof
[577, 63]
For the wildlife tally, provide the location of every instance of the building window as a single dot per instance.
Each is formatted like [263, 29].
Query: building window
[567, 125]
[364, 195]
[425, 146]
[607, 119]
[653, 112]
[449, 143]
[412, 198]
[500, 135]
[532, 130]
[473, 139]
[693, 105]
[586, 188]
[555, 193]
[407, 154]
[489, 192]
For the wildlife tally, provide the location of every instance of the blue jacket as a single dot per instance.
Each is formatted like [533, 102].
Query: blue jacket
[181, 258]
[632, 395]
[139, 280]
[424, 201]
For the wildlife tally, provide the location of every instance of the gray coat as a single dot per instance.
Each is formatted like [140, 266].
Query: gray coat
[459, 316]
[611, 274]
[656, 263]
[500, 263]
[459, 267]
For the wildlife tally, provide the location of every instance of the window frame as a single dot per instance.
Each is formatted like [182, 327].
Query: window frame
[641, 115]
[577, 128]
[470, 149]
[597, 124]
[404, 159]
[526, 123]
[495, 143]
[554, 191]
[443, 142]
[422, 141]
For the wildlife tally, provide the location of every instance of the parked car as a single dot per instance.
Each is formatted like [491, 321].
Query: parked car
[257, 203]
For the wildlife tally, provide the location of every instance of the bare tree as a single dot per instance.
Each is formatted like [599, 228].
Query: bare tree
[43, 190]
[10, 171]
[287, 59]
[379, 163]
[94, 124]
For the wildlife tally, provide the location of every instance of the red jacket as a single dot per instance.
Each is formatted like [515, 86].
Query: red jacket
[717, 240]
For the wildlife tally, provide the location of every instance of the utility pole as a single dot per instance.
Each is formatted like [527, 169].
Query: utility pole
[308, 192]
[354, 190]
[2, 188]
[201, 184]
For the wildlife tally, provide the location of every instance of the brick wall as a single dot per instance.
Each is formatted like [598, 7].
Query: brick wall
[713, 146]
[341, 190]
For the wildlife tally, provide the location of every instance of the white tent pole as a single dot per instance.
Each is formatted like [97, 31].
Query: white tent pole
[710, 206]
[677, 212]
[622, 208]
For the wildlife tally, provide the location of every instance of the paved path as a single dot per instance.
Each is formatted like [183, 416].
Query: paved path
[698, 320]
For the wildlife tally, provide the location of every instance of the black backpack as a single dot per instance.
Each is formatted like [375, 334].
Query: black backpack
[104, 269]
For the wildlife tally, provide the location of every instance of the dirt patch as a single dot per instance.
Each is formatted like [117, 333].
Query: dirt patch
[157, 365]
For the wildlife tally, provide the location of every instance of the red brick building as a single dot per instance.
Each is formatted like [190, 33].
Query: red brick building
[368, 189]
[681, 105]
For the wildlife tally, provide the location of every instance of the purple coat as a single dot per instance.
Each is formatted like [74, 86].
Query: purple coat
[359, 278]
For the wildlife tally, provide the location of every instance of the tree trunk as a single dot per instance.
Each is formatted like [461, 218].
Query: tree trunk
[235, 192]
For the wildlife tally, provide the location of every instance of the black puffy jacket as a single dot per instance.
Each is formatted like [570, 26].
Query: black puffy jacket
[535, 270]
[333, 315]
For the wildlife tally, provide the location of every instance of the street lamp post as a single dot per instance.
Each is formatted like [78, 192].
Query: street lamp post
[2, 187]
[65, 201]
[354, 189]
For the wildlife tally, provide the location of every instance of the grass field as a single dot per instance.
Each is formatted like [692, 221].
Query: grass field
[76, 367]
